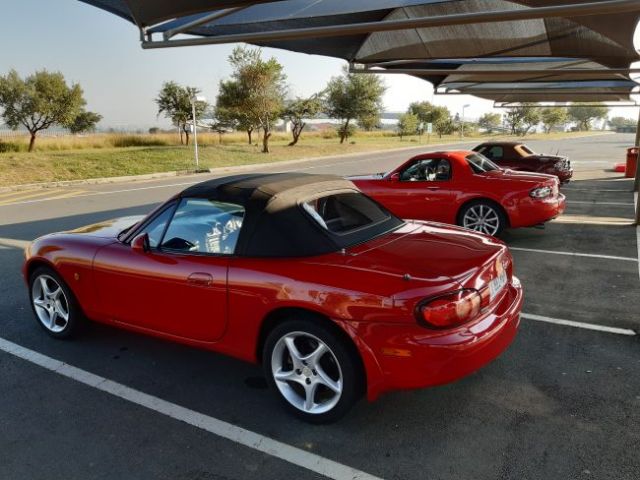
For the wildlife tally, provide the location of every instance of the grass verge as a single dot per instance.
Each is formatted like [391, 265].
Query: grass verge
[156, 154]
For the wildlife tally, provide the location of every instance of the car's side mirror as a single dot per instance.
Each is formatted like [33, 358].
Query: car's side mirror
[395, 177]
[140, 244]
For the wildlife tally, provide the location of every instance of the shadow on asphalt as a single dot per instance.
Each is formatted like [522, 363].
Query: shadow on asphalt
[31, 230]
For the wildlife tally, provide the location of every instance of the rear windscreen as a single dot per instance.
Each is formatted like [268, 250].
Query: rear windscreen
[481, 164]
[351, 217]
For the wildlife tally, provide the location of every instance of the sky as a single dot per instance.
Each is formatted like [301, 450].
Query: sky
[102, 53]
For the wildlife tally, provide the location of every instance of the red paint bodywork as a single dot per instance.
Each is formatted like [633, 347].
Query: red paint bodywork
[369, 292]
[441, 201]
[517, 156]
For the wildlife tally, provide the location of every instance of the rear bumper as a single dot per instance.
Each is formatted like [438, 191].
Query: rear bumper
[411, 357]
[530, 211]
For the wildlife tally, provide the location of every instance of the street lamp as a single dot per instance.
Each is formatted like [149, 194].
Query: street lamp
[193, 100]
[462, 120]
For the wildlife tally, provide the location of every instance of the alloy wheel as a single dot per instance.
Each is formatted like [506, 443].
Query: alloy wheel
[307, 372]
[50, 303]
[482, 218]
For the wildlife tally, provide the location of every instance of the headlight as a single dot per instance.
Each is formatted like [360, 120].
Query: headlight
[541, 192]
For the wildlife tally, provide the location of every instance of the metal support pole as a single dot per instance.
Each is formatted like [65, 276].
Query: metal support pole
[195, 133]
[636, 182]
[462, 122]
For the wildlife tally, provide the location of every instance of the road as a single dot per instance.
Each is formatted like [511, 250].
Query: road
[562, 403]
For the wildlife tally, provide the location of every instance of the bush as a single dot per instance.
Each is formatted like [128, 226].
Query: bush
[6, 147]
[121, 141]
[348, 130]
[328, 133]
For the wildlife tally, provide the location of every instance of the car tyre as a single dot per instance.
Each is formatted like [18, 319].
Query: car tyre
[55, 307]
[312, 370]
[483, 216]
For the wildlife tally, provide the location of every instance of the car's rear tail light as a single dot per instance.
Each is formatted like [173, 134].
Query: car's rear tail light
[485, 297]
[450, 310]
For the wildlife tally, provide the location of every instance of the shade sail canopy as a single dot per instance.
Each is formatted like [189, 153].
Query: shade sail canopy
[519, 37]
[584, 91]
[560, 79]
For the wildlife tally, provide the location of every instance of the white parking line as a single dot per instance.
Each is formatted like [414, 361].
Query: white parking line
[574, 254]
[595, 190]
[109, 192]
[247, 438]
[583, 325]
[13, 243]
[620, 204]
[635, 200]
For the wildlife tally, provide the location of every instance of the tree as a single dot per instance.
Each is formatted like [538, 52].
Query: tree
[422, 110]
[407, 124]
[84, 122]
[222, 126]
[230, 108]
[622, 122]
[445, 126]
[254, 96]
[370, 122]
[354, 97]
[433, 114]
[523, 118]
[39, 101]
[584, 115]
[490, 121]
[552, 116]
[174, 101]
[297, 111]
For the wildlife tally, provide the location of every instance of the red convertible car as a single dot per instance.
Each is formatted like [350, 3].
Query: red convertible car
[335, 296]
[465, 188]
[517, 156]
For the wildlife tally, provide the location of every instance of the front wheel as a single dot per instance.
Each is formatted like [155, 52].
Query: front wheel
[484, 217]
[312, 370]
[53, 303]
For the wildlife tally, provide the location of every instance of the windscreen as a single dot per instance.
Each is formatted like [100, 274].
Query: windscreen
[481, 164]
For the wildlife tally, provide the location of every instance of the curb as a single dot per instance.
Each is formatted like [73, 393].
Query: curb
[236, 168]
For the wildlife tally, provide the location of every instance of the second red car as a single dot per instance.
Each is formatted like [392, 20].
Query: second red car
[465, 188]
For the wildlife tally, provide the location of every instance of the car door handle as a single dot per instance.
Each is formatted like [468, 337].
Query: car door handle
[200, 279]
[433, 188]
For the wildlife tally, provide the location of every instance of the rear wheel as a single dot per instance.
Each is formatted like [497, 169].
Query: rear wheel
[312, 370]
[53, 303]
[484, 217]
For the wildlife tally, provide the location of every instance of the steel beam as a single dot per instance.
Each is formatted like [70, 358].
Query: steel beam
[501, 73]
[201, 21]
[521, 91]
[555, 11]
[498, 104]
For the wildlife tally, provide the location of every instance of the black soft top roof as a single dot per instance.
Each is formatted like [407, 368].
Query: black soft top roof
[506, 143]
[275, 224]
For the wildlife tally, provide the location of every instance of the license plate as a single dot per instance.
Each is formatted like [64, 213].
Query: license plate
[497, 284]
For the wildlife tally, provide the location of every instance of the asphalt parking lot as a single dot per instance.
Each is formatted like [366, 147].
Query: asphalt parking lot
[562, 403]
